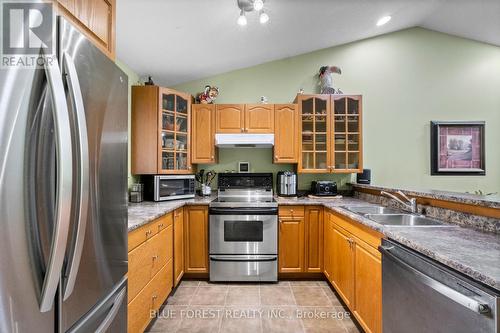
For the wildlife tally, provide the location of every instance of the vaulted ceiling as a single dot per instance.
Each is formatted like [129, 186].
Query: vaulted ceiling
[182, 40]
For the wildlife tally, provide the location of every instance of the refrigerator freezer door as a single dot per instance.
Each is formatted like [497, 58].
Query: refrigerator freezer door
[104, 91]
[110, 315]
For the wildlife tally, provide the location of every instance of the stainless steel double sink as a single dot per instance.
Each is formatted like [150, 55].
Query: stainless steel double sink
[393, 217]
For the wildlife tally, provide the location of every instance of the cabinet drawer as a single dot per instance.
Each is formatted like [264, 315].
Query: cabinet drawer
[164, 221]
[161, 285]
[140, 265]
[139, 313]
[147, 259]
[150, 298]
[291, 210]
[140, 235]
[161, 249]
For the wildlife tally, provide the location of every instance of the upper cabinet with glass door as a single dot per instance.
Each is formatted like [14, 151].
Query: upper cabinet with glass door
[160, 131]
[347, 135]
[330, 133]
[175, 120]
[314, 133]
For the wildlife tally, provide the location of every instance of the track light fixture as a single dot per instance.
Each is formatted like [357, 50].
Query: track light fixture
[247, 6]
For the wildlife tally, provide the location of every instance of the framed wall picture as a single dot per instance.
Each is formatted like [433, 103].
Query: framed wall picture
[457, 148]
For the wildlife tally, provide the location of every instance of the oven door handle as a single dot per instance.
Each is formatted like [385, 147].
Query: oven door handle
[243, 258]
[437, 286]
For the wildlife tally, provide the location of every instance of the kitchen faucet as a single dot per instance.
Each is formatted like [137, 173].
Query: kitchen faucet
[410, 204]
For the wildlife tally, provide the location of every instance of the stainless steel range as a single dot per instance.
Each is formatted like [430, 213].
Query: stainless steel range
[244, 229]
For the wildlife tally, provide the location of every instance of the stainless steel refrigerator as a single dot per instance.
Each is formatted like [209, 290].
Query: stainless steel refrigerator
[63, 192]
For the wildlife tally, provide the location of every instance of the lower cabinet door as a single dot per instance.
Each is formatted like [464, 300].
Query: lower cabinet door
[327, 247]
[314, 239]
[196, 239]
[291, 244]
[368, 288]
[343, 265]
[178, 245]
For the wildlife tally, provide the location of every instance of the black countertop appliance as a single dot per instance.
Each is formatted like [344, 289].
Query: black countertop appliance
[324, 188]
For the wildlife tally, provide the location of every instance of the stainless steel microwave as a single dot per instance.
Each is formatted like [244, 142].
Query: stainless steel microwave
[168, 187]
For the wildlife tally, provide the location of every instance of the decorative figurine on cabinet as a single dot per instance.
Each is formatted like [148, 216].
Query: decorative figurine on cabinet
[326, 81]
[208, 96]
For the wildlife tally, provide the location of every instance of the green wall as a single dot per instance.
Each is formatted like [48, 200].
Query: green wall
[407, 79]
[133, 79]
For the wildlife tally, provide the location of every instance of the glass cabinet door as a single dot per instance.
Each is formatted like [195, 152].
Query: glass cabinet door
[346, 134]
[315, 154]
[174, 132]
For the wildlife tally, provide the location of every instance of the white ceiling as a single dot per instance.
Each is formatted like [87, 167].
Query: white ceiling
[181, 40]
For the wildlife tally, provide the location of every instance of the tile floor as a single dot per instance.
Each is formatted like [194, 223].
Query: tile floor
[288, 306]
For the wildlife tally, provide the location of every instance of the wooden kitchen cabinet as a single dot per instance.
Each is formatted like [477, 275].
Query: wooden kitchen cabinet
[328, 246]
[244, 118]
[291, 244]
[230, 118]
[95, 19]
[313, 239]
[161, 131]
[150, 270]
[314, 133]
[353, 266]
[286, 132]
[368, 287]
[196, 239]
[330, 139]
[343, 265]
[178, 245]
[346, 134]
[203, 134]
[259, 118]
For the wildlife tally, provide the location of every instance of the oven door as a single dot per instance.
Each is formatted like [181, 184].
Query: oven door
[173, 187]
[243, 231]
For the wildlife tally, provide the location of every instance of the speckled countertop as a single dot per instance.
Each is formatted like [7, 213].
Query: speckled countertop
[146, 211]
[473, 253]
[492, 201]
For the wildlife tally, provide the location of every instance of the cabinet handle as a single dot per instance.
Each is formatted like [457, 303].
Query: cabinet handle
[160, 225]
[155, 257]
[242, 129]
[212, 156]
[148, 233]
[276, 157]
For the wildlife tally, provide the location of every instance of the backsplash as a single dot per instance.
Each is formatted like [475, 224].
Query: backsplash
[261, 160]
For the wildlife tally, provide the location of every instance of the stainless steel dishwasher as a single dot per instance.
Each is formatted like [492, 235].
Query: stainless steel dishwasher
[420, 295]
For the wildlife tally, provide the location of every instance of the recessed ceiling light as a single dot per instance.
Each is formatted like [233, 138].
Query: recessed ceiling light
[258, 5]
[263, 18]
[242, 19]
[383, 20]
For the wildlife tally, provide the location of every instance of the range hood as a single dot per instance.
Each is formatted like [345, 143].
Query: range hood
[244, 140]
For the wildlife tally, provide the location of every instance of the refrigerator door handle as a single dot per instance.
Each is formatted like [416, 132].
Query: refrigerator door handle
[112, 312]
[64, 185]
[82, 153]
